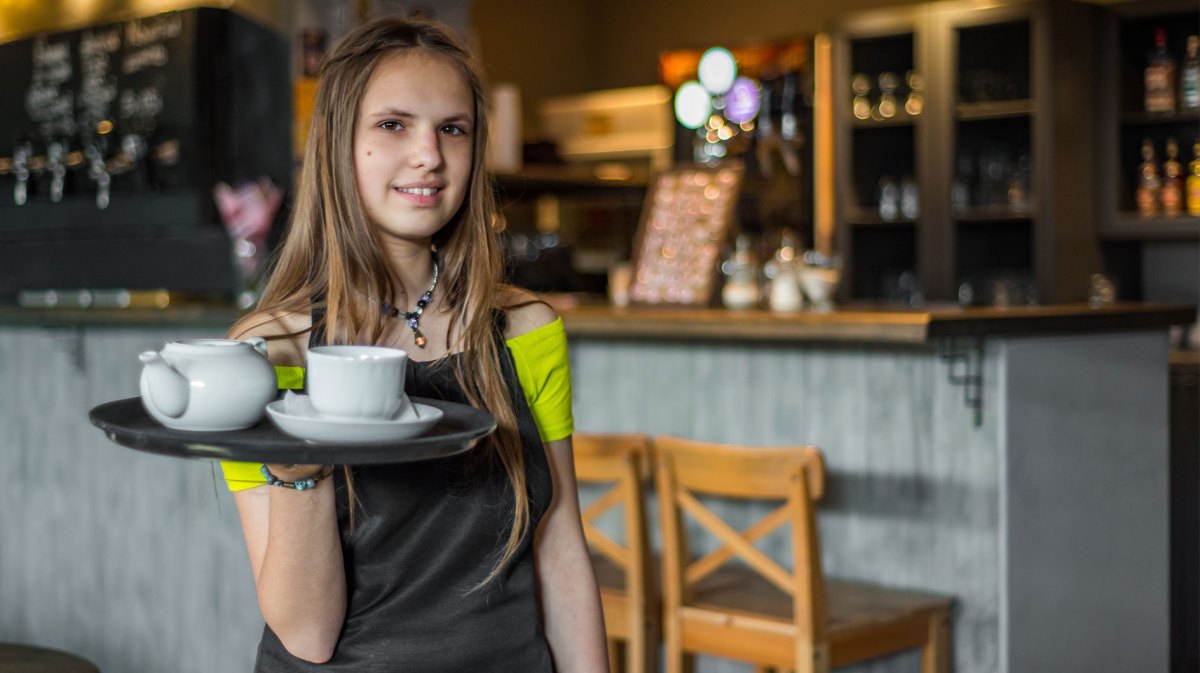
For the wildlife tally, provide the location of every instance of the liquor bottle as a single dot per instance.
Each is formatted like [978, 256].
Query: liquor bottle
[1189, 76]
[910, 204]
[888, 83]
[915, 102]
[1171, 195]
[1160, 76]
[1193, 181]
[1148, 182]
[889, 198]
[860, 86]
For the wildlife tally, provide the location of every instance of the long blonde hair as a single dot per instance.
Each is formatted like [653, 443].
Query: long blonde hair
[330, 257]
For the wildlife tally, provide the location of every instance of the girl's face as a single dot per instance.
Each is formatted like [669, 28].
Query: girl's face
[414, 144]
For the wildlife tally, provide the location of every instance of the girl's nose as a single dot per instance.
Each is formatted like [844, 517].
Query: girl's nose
[426, 150]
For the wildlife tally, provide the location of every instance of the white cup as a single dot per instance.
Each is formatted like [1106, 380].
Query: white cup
[356, 382]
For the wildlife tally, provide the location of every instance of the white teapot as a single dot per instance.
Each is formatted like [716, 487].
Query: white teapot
[208, 384]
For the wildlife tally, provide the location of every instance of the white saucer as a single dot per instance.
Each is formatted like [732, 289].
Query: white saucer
[317, 429]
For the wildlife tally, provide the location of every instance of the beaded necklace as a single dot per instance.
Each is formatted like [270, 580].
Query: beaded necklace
[414, 316]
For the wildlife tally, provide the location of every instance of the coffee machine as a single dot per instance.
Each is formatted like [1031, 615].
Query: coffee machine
[112, 139]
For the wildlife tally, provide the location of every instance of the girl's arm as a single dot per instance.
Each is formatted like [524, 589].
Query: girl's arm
[570, 596]
[292, 537]
[296, 557]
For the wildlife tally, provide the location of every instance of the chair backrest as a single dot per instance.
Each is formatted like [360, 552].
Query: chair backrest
[622, 462]
[795, 475]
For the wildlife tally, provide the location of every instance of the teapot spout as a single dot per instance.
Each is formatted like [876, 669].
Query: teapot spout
[166, 389]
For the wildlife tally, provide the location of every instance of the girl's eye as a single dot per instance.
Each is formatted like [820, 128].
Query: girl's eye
[391, 125]
[453, 130]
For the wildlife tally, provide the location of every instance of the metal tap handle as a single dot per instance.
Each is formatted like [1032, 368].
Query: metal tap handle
[20, 163]
[58, 170]
[102, 185]
[98, 172]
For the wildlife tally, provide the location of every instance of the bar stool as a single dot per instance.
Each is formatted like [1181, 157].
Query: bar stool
[759, 611]
[623, 571]
[28, 659]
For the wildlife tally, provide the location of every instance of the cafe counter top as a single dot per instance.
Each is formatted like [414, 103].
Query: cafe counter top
[862, 324]
[194, 315]
[868, 323]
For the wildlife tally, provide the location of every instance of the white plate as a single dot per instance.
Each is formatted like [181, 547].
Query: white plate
[317, 429]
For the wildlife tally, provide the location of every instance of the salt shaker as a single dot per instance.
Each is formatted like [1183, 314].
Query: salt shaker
[741, 273]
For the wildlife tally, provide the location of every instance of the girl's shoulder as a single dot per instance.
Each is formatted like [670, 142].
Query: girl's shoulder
[286, 333]
[524, 312]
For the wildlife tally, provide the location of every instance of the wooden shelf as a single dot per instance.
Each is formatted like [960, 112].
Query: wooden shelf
[1151, 118]
[897, 121]
[993, 214]
[869, 217]
[1128, 226]
[566, 178]
[1001, 109]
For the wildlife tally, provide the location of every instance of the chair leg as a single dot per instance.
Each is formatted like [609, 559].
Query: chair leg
[616, 663]
[672, 649]
[935, 655]
[650, 648]
[635, 649]
[812, 658]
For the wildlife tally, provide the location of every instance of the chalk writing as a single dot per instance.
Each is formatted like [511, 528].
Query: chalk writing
[151, 56]
[46, 103]
[98, 86]
[156, 29]
[146, 103]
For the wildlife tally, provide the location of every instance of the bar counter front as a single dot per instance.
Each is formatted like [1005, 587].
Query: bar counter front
[1015, 459]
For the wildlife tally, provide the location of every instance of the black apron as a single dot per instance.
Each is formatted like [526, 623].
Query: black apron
[425, 535]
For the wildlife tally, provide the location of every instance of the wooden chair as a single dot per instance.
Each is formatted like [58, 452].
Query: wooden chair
[761, 612]
[627, 586]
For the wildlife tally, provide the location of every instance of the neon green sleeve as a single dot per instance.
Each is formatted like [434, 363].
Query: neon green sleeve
[544, 371]
[241, 476]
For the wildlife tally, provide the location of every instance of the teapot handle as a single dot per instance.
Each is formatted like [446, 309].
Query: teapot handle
[259, 344]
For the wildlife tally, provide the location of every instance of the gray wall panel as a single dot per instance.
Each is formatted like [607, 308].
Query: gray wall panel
[131, 560]
[1088, 511]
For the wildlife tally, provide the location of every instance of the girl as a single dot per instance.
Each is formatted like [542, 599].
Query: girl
[470, 563]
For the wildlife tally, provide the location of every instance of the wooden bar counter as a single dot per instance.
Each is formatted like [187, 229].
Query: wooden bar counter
[867, 324]
[1014, 459]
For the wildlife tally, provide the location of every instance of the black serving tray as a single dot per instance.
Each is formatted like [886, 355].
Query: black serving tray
[127, 423]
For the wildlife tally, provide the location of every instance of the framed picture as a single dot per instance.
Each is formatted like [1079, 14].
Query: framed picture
[684, 225]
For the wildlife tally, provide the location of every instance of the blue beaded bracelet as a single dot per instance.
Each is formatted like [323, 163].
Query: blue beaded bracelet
[299, 484]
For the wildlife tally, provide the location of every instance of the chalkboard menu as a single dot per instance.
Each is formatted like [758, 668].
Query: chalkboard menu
[112, 138]
[684, 224]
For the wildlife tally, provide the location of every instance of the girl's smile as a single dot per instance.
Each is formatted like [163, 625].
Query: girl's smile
[422, 195]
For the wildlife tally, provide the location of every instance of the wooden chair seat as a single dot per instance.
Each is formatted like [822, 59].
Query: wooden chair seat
[856, 613]
[614, 598]
[740, 603]
[609, 575]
